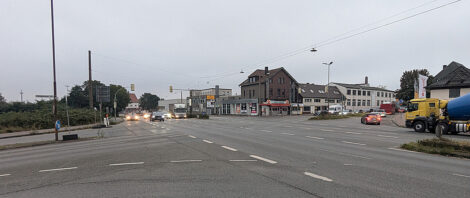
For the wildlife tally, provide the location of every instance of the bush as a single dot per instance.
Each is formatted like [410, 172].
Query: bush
[441, 146]
[205, 116]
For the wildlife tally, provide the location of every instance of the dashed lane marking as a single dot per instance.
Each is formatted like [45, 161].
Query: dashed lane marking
[4, 175]
[243, 160]
[313, 137]
[287, 133]
[347, 164]
[353, 143]
[263, 159]
[229, 148]
[460, 175]
[353, 133]
[325, 130]
[318, 177]
[387, 136]
[57, 169]
[181, 161]
[207, 141]
[127, 163]
[191, 136]
[267, 131]
[397, 149]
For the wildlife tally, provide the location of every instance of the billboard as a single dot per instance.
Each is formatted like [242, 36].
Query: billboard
[422, 83]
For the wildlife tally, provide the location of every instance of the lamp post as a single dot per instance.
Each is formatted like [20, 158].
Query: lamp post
[328, 86]
[54, 104]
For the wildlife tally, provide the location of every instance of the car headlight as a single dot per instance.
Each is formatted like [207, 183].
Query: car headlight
[136, 117]
[128, 117]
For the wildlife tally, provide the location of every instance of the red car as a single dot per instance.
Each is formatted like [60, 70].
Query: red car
[371, 118]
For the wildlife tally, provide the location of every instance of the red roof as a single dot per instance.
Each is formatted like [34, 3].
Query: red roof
[133, 98]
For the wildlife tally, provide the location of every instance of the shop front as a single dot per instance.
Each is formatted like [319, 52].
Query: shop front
[272, 108]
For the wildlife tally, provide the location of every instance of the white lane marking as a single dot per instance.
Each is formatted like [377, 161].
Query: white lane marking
[267, 131]
[243, 160]
[191, 136]
[308, 128]
[263, 159]
[229, 148]
[127, 163]
[455, 174]
[4, 175]
[180, 161]
[353, 143]
[387, 136]
[288, 126]
[287, 133]
[325, 130]
[353, 133]
[318, 138]
[207, 141]
[346, 154]
[57, 169]
[318, 177]
[347, 164]
[397, 149]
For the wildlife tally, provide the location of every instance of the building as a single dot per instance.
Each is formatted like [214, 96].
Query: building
[205, 101]
[133, 106]
[235, 105]
[315, 98]
[452, 82]
[168, 105]
[363, 96]
[274, 91]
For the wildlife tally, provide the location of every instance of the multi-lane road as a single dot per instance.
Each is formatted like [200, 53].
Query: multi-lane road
[235, 157]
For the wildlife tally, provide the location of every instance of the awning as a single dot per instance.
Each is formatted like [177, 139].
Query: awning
[276, 105]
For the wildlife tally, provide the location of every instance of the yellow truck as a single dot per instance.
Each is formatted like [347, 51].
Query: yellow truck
[431, 113]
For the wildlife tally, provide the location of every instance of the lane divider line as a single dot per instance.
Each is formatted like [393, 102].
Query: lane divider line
[353, 143]
[267, 131]
[180, 161]
[263, 159]
[57, 169]
[207, 141]
[318, 138]
[347, 164]
[287, 133]
[460, 175]
[243, 160]
[398, 149]
[353, 133]
[191, 136]
[318, 177]
[229, 148]
[127, 163]
[325, 130]
[4, 175]
[387, 136]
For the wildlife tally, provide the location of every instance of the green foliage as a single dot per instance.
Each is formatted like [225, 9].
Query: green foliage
[148, 101]
[441, 146]
[407, 81]
[2, 100]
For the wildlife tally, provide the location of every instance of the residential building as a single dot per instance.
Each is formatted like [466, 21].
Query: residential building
[452, 82]
[133, 105]
[315, 97]
[363, 96]
[274, 90]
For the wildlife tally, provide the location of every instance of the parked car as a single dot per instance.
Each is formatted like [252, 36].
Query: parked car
[157, 116]
[371, 118]
[166, 115]
[345, 112]
[380, 112]
[132, 117]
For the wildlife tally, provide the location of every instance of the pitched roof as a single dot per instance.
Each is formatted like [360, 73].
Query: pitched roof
[133, 98]
[452, 76]
[318, 91]
[360, 86]
[260, 72]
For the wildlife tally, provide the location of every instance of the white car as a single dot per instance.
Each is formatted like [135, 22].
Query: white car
[380, 112]
[344, 112]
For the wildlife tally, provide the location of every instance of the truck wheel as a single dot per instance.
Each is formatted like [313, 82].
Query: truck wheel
[419, 126]
[444, 127]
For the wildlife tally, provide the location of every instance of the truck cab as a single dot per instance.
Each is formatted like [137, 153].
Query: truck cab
[420, 111]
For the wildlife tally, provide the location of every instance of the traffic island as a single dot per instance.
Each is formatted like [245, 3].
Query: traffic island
[441, 146]
[40, 143]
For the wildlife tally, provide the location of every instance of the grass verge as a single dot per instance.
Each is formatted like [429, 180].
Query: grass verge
[443, 146]
[40, 143]
[334, 117]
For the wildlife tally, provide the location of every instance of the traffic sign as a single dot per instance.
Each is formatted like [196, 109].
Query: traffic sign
[102, 94]
[57, 125]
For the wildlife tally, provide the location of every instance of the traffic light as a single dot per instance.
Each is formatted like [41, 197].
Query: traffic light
[132, 87]
[171, 89]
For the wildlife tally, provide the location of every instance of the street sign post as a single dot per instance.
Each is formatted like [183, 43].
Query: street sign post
[57, 125]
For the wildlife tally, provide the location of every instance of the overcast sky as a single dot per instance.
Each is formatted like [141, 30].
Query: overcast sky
[154, 44]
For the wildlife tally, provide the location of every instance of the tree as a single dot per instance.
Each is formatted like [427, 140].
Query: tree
[407, 82]
[2, 100]
[149, 101]
[77, 97]
[122, 97]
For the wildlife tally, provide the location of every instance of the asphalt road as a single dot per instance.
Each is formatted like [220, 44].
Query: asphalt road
[235, 157]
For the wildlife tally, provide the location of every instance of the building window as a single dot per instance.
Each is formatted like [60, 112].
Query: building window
[348, 92]
[454, 93]
[283, 92]
[348, 103]
[354, 92]
[359, 92]
[278, 92]
[364, 103]
[317, 100]
[307, 108]
[358, 103]
[308, 100]
[378, 103]
[363, 93]
[270, 91]
[244, 93]
[368, 93]
[353, 102]
[337, 101]
[382, 94]
[254, 95]
[368, 103]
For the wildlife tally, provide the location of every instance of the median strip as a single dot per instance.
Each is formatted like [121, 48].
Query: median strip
[318, 177]
[128, 163]
[263, 159]
[353, 143]
[229, 148]
[57, 169]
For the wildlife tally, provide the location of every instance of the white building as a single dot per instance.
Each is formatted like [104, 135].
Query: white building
[452, 82]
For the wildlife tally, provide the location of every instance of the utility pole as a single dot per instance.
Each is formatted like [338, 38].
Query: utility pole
[54, 104]
[328, 86]
[90, 86]
[67, 106]
[21, 93]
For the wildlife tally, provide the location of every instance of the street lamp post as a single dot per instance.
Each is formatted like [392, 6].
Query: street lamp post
[54, 104]
[328, 86]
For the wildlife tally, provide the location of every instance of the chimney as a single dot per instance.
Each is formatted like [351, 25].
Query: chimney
[444, 66]
[366, 81]
[266, 70]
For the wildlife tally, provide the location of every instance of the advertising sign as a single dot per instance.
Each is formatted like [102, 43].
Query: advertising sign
[422, 83]
[210, 97]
